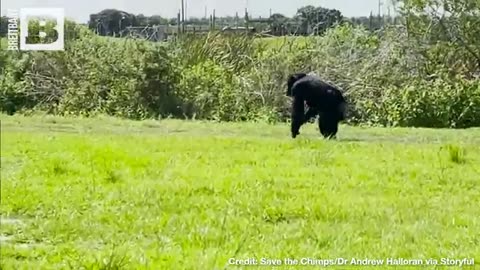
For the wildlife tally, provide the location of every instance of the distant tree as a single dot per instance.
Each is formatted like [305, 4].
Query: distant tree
[278, 19]
[317, 19]
[279, 24]
[110, 21]
[194, 20]
[141, 20]
[3, 26]
[157, 20]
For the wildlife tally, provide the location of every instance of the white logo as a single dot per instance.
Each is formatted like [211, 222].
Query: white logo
[41, 14]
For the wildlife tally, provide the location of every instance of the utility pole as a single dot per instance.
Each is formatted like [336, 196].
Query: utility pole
[179, 22]
[214, 20]
[388, 15]
[183, 16]
[380, 4]
[246, 20]
[186, 10]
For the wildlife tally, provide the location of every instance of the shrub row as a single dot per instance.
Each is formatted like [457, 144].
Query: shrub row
[240, 78]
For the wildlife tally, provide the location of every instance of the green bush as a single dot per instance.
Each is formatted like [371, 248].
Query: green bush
[14, 95]
[125, 78]
[388, 78]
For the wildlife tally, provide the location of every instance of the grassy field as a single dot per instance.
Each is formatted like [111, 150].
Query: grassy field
[3, 43]
[278, 42]
[114, 194]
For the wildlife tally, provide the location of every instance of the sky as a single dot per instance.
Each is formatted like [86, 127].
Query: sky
[79, 10]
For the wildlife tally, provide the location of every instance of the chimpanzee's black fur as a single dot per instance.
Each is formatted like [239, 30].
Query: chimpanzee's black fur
[321, 98]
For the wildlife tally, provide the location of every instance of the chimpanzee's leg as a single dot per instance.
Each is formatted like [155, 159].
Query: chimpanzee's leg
[328, 126]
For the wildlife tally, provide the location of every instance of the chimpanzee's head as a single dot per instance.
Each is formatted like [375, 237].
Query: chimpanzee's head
[291, 80]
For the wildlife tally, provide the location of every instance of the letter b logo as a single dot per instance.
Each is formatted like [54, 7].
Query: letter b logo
[46, 31]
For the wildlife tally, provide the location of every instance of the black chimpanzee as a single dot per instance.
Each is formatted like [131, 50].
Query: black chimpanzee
[321, 98]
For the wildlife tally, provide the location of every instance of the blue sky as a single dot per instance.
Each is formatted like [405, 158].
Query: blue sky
[81, 9]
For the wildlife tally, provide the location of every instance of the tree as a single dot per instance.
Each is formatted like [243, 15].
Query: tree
[3, 26]
[157, 20]
[110, 21]
[317, 19]
[141, 20]
[448, 26]
[279, 24]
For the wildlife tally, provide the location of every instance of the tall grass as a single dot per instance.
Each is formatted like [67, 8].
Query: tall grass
[3, 43]
[228, 77]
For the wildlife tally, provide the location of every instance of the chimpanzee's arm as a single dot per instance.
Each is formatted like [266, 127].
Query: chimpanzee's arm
[297, 115]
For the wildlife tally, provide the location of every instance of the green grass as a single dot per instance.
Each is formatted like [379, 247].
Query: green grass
[114, 194]
[278, 42]
[3, 43]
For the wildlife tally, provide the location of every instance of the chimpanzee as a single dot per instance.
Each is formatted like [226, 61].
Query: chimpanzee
[321, 98]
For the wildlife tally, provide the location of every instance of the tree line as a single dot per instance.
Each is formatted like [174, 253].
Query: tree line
[307, 20]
